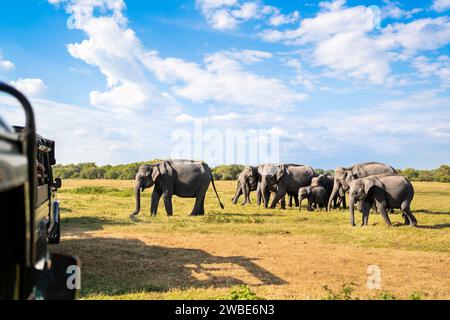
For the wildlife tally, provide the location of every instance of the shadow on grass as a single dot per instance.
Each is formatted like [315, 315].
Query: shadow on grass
[435, 227]
[92, 223]
[430, 211]
[114, 266]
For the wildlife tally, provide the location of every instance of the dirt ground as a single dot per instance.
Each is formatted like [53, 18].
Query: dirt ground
[276, 267]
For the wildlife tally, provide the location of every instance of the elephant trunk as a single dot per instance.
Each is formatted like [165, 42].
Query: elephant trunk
[352, 211]
[333, 195]
[137, 192]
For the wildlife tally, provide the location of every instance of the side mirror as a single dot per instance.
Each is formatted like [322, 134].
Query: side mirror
[59, 279]
[58, 183]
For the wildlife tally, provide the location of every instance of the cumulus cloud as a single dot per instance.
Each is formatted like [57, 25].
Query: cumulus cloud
[228, 14]
[392, 9]
[223, 79]
[439, 68]
[115, 49]
[31, 87]
[441, 5]
[342, 39]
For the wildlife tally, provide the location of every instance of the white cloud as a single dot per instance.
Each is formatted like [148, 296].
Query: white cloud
[441, 5]
[276, 18]
[343, 40]
[247, 55]
[30, 87]
[5, 65]
[223, 80]
[323, 25]
[439, 68]
[127, 96]
[419, 35]
[115, 49]
[354, 55]
[228, 14]
[392, 9]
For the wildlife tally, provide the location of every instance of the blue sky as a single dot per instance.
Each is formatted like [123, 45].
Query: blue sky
[112, 79]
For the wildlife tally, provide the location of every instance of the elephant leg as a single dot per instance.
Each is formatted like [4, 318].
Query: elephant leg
[407, 212]
[156, 195]
[290, 201]
[246, 192]
[344, 203]
[283, 203]
[310, 205]
[199, 206]
[258, 195]
[382, 209]
[297, 202]
[168, 203]
[266, 198]
[280, 194]
[365, 209]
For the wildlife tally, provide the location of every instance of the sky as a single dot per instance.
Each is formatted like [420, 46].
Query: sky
[338, 82]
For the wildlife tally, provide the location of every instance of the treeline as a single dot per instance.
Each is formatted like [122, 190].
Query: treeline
[224, 172]
[441, 174]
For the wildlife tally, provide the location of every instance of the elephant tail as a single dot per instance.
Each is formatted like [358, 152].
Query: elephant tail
[215, 190]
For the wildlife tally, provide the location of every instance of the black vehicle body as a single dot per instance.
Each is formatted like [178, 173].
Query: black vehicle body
[29, 214]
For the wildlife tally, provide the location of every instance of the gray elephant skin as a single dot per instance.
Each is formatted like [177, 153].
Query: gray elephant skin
[290, 178]
[316, 196]
[327, 181]
[266, 183]
[387, 192]
[183, 178]
[247, 182]
[343, 177]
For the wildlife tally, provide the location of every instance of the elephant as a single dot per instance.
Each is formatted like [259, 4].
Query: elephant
[315, 195]
[183, 178]
[344, 176]
[290, 178]
[247, 182]
[327, 181]
[266, 183]
[386, 192]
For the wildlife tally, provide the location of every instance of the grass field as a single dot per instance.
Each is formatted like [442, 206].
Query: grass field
[249, 252]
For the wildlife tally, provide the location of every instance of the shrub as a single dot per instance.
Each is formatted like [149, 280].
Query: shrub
[243, 293]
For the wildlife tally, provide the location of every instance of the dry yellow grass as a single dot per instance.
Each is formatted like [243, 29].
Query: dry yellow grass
[277, 254]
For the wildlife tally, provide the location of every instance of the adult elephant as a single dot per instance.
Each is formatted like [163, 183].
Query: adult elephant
[289, 179]
[266, 183]
[344, 176]
[247, 182]
[183, 178]
[387, 192]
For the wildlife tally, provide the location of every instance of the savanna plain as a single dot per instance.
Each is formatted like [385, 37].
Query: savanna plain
[250, 252]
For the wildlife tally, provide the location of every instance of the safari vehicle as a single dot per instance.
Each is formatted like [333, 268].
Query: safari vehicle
[29, 214]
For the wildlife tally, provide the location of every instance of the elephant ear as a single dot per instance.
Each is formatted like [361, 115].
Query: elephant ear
[282, 170]
[155, 172]
[308, 190]
[356, 172]
[370, 183]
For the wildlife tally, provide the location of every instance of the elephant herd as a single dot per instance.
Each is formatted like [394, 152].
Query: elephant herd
[369, 185]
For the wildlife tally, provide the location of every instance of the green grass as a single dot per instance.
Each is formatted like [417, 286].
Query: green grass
[94, 207]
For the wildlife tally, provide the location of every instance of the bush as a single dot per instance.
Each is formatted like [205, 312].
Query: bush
[227, 172]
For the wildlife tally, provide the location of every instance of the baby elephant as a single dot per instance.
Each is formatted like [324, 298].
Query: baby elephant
[387, 192]
[315, 195]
